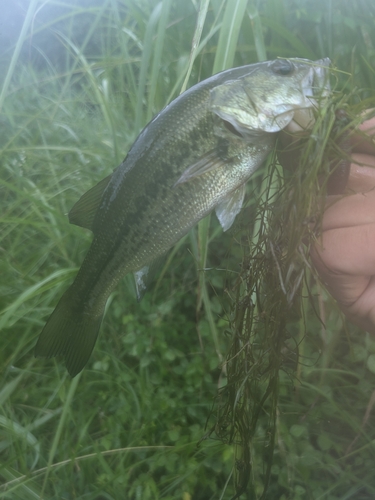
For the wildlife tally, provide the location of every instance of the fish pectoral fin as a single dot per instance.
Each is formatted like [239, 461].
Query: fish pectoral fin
[206, 163]
[145, 276]
[83, 212]
[230, 206]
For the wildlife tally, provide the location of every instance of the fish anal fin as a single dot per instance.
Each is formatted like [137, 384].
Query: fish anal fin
[141, 279]
[230, 206]
[145, 276]
[83, 212]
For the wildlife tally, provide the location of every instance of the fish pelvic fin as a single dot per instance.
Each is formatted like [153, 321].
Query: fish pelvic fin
[230, 206]
[145, 276]
[70, 332]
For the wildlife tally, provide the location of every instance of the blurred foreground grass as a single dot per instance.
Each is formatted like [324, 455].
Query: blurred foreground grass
[80, 80]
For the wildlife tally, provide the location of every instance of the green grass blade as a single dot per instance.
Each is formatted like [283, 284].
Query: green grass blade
[10, 314]
[64, 415]
[148, 46]
[203, 7]
[298, 45]
[157, 57]
[22, 37]
[229, 33]
[75, 61]
[257, 27]
[8, 389]
[21, 491]
[19, 432]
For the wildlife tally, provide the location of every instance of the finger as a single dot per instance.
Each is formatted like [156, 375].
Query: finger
[368, 126]
[363, 142]
[347, 250]
[362, 173]
[355, 293]
[351, 211]
[362, 311]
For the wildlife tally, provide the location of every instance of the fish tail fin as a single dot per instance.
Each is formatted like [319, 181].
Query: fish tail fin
[71, 331]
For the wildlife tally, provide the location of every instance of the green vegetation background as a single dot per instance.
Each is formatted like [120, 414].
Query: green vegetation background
[79, 79]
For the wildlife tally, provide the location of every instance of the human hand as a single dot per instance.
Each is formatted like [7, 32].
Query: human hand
[344, 255]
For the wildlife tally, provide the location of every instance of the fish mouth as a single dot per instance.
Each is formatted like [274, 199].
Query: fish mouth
[321, 69]
[315, 89]
[316, 83]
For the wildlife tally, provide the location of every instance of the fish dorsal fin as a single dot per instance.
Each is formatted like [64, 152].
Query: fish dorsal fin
[83, 212]
[229, 207]
[206, 163]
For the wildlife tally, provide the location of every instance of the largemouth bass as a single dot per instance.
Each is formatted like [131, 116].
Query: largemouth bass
[194, 156]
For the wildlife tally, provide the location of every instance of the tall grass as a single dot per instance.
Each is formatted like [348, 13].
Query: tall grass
[80, 80]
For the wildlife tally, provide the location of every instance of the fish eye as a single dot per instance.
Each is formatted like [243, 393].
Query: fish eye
[282, 67]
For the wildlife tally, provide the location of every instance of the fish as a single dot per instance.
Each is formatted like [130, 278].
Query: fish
[193, 157]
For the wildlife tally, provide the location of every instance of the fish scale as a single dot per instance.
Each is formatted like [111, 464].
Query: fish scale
[193, 157]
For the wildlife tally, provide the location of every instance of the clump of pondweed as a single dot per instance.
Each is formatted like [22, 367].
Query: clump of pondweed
[267, 297]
